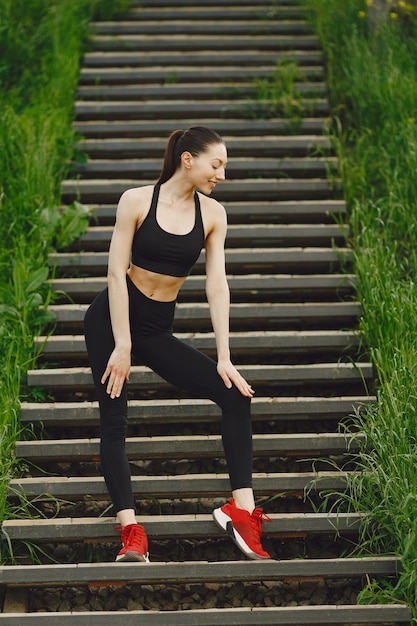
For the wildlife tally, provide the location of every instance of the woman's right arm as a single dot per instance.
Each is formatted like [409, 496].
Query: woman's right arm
[118, 366]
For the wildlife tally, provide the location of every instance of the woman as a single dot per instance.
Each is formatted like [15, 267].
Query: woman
[158, 236]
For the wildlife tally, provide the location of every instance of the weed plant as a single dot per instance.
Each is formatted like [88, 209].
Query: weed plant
[277, 94]
[372, 75]
[41, 44]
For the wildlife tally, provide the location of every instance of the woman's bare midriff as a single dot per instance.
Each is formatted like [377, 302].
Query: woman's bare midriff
[158, 287]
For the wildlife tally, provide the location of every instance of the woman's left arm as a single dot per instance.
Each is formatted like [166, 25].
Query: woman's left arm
[218, 297]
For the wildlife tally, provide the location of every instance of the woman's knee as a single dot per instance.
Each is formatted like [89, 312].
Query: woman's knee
[232, 401]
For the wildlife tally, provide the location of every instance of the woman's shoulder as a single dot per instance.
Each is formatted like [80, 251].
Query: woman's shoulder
[135, 201]
[211, 205]
[137, 194]
[213, 214]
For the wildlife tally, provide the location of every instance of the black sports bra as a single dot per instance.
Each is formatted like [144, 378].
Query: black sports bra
[156, 250]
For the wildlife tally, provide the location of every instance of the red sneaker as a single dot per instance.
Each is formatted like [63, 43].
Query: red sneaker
[245, 528]
[134, 543]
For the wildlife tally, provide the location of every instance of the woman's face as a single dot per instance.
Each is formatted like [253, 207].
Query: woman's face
[209, 167]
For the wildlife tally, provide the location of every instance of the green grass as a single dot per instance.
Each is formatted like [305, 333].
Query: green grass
[372, 75]
[277, 94]
[41, 44]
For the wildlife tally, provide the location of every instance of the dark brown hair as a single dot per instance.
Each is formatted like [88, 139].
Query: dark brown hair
[194, 140]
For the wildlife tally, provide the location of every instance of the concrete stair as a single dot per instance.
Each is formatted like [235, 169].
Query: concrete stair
[294, 335]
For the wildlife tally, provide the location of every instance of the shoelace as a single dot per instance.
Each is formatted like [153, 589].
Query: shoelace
[131, 535]
[256, 519]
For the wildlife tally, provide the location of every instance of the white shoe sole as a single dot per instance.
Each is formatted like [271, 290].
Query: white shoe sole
[225, 523]
[133, 556]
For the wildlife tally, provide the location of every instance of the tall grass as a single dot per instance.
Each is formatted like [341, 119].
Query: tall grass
[372, 74]
[41, 43]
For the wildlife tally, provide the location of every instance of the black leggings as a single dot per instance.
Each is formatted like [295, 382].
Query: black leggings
[181, 365]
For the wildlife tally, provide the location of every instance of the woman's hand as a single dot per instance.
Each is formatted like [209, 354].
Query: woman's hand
[230, 375]
[117, 371]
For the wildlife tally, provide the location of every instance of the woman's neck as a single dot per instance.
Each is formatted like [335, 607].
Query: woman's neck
[178, 189]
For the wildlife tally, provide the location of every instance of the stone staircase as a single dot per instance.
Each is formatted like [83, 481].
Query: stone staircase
[293, 336]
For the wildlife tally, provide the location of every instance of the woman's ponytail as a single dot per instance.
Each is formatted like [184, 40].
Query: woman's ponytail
[194, 140]
[170, 164]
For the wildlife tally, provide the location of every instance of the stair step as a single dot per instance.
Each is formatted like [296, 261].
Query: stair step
[160, 128]
[262, 316]
[184, 110]
[242, 260]
[174, 74]
[278, 343]
[173, 526]
[145, 378]
[281, 212]
[161, 4]
[265, 146]
[284, 616]
[189, 486]
[200, 58]
[195, 91]
[279, 409]
[189, 447]
[263, 11]
[248, 286]
[109, 168]
[250, 189]
[189, 27]
[200, 42]
[198, 571]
